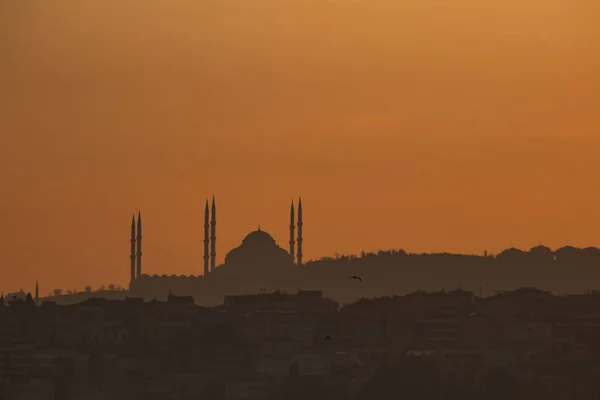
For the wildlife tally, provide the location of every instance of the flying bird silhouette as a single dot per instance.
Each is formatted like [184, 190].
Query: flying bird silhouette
[328, 337]
[355, 277]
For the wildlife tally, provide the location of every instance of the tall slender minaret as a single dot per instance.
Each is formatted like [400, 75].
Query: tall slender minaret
[139, 246]
[299, 256]
[206, 256]
[37, 293]
[292, 228]
[132, 255]
[213, 235]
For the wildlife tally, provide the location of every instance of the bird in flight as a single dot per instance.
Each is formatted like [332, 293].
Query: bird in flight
[355, 277]
[328, 337]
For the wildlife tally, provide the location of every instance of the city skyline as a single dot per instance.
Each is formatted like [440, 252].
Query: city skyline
[403, 125]
[136, 253]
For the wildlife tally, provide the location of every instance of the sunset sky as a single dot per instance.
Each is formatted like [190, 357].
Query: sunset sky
[427, 125]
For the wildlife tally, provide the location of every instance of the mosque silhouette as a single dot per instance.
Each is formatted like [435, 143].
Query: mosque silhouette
[257, 252]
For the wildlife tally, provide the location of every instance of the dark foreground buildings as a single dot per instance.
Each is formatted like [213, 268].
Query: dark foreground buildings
[522, 344]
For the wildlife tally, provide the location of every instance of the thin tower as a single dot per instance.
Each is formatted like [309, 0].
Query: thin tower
[206, 256]
[37, 293]
[132, 255]
[292, 228]
[299, 256]
[139, 246]
[213, 235]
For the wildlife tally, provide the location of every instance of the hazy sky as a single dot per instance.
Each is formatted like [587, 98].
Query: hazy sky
[457, 126]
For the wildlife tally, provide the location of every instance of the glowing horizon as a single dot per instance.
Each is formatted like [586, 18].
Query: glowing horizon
[423, 125]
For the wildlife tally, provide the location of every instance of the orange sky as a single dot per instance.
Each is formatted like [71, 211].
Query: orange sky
[426, 125]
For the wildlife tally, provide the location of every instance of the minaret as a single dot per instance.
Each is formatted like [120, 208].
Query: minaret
[206, 256]
[292, 228]
[139, 246]
[132, 256]
[37, 293]
[299, 256]
[213, 236]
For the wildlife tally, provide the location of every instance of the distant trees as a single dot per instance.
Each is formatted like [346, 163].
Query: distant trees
[511, 255]
[88, 289]
[111, 287]
[57, 292]
[326, 258]
[540, 254]
[337, 257]
[537, 256]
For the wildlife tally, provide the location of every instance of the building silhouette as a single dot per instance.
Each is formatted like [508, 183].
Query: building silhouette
[206, 240]
[299, 256]
[136, 249]
[213, 235]
[258, 251]
[139, 245]
[132, 254]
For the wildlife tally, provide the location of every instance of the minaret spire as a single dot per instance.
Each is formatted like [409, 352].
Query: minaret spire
[299, 256]
[37, 293]
[292, 228]
[213, 235]
[132, 255]
[139, 246]
[206, 240]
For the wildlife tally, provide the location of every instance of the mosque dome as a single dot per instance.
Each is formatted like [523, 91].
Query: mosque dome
[258, 238]
[257, 250]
